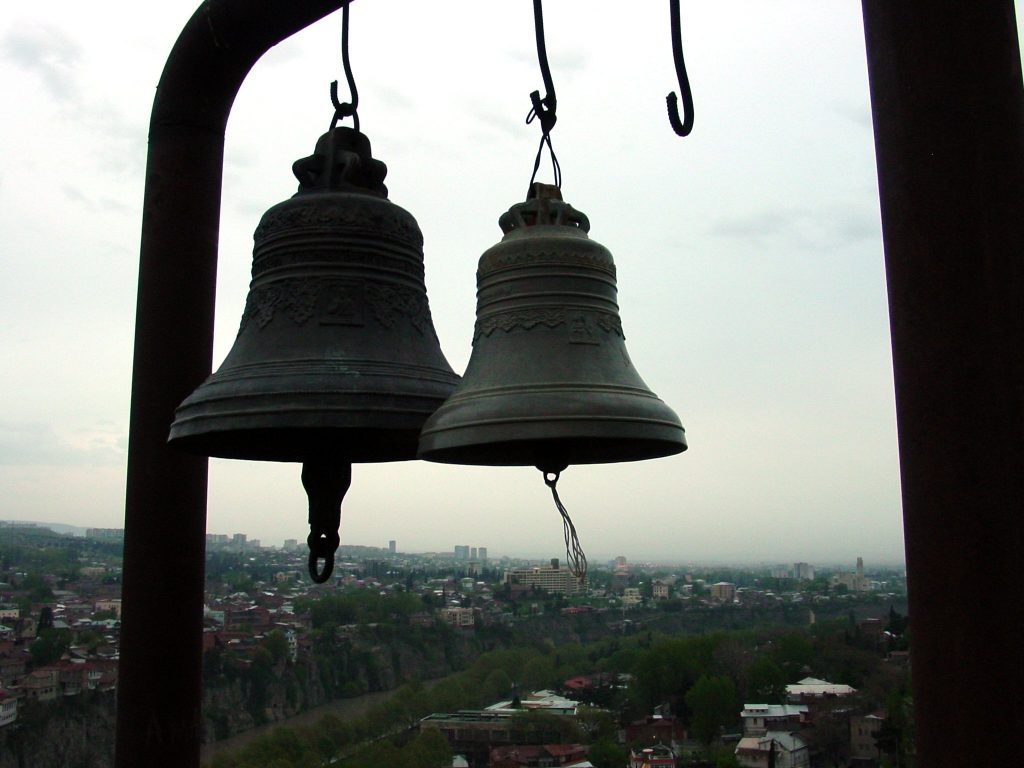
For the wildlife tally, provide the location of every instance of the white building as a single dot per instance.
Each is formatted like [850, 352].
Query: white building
[758, 719]
[631, 597]
[549, 579]
[545, 701]
[813, 688]
[458, 617]
[8, 709]
[790, 751]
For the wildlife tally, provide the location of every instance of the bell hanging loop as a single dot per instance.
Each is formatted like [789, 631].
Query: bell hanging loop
[345, 109]
[326, 483]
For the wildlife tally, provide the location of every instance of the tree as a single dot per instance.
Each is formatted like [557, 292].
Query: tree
[48, 647]
[277, 644]
[712, 700]
[533, 726]
[606, 753]
[766, 682]
[538, 672]
[793, 652]
[726, 758]
[830, 736]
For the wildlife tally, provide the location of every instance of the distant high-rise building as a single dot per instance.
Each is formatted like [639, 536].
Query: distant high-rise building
[391, 546]
[550, 579]
[854, 581]
[620, 574]
[291, 543]
[238, 540]
[483, 554]
[723, 591]
[462, 552]
[803, 572]
[472, 553]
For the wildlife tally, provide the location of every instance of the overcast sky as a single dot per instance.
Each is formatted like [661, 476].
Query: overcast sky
[751, 280]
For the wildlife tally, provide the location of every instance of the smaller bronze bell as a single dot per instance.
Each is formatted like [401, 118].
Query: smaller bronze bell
[549, 382]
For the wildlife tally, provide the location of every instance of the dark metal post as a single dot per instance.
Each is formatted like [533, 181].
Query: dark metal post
[948, 110]
[160, 686]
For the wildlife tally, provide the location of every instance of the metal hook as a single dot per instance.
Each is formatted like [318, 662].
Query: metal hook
[681, 127]
[345, 109]
[543, 109]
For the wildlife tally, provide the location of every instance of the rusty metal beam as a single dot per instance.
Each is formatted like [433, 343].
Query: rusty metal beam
[948, 109]
[160, 687]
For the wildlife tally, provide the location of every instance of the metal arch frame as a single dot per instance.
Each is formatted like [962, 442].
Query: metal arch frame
[951, 196]
[160, 685]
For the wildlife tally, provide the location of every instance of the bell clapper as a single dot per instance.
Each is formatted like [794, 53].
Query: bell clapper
[326, 482]
[574, 556]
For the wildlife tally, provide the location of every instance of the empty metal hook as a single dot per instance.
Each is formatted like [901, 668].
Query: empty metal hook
[684, 126]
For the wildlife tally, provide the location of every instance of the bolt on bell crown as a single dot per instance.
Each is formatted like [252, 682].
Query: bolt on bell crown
[549, 382]
[336, 354]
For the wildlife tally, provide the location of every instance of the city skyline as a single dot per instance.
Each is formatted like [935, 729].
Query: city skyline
[799, 567]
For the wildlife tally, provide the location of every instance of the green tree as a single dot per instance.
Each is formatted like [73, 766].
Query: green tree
[726, 758]
[607, 753]
[793, 652]
[533, 726]
[38, 590]
[712, 700]
[497, 685]
[49, 646]
[277, 645]
[766, 682]
[538, 672]
[596, 723]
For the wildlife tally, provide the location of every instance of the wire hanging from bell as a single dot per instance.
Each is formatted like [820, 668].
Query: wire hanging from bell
[543, 109]
[348, 108]
[574, 555]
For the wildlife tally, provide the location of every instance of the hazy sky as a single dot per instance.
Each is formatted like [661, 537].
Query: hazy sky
[750, 264]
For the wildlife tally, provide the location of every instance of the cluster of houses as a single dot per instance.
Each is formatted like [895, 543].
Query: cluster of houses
[494, 737]
[779, 732]
[779, 735]
[88, 662]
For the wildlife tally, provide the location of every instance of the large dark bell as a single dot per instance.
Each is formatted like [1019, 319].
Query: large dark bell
[336, 355]
[549, 382]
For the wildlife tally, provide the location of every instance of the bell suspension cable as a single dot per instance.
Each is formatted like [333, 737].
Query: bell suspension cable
[574, 556]
[543, 109]
[345, 109]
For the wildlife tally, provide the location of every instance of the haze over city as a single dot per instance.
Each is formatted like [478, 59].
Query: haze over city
[750, 267]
